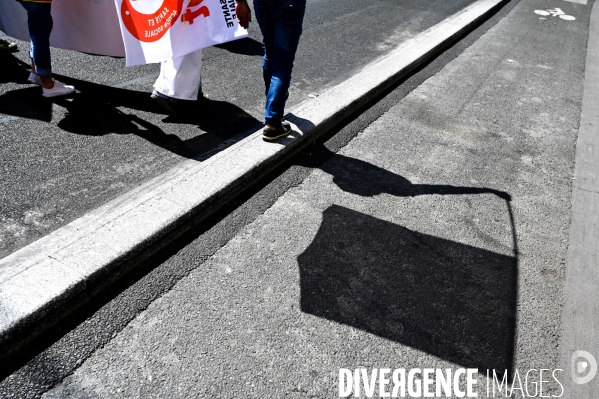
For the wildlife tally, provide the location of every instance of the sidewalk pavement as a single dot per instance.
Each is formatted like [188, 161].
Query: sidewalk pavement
[45, 281]
[435, 239]
[580, 319]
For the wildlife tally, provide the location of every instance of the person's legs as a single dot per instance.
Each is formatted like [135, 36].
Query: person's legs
[179, 79]
[287, 31]
[263, 9]
[39, 21]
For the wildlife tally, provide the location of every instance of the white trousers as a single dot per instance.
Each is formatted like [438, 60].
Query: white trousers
[181, 78]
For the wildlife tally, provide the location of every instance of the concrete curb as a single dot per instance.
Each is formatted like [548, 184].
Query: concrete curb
[44, 282]
[580, 317]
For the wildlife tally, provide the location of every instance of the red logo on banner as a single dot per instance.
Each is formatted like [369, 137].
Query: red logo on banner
[151, 27]
[190, 15]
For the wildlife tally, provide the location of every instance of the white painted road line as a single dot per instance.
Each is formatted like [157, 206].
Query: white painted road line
[555, 12]
[74, 262]
[584, 2]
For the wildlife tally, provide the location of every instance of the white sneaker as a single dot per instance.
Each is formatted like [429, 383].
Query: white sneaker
[33, 78]
[59, 89]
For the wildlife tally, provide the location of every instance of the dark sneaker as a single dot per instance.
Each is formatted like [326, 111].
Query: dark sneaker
[270, 134]
[169, 104]
[8, 47]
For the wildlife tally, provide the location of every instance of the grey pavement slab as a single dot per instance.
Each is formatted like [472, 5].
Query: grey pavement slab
[62, 159]
[580, 331]
[105, 244]
[437, 238]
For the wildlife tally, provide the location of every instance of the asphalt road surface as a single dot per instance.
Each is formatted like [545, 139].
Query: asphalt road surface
[436, 238]
[431, 231]
[63, 158]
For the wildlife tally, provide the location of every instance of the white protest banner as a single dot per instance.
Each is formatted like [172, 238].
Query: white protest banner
[159, 30]
[89, 26]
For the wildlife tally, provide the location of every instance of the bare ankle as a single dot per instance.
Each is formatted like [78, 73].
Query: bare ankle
[47, 82]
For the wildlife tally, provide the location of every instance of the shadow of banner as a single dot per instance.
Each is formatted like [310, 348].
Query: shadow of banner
[448, 299]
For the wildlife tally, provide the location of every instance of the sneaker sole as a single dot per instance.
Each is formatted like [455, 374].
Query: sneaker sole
[57, 95]
[269, 138]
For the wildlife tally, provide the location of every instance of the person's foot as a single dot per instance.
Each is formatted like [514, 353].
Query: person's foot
[168, 103]
[33, 78]
[272, 133]
[8, 47]
[59, 89]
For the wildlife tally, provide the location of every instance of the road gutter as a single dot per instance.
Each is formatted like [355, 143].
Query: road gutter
[44, 282]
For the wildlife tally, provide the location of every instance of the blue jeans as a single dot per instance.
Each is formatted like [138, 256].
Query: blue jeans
[281, 25]
[40, 25]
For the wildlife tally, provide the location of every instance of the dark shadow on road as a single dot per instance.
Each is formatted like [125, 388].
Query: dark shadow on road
[94, 111]
[448, 299]
[26, 102]
[246, 46]
[12, 69]
[218, 120]
[358, 177]
[362, 178]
